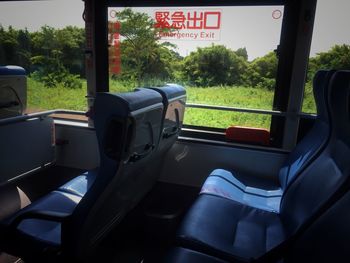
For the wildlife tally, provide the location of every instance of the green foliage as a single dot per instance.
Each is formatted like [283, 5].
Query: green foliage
[58, 50]
[338, 57]
[61, 77]
[41, 98]
[309, 105]
[143, 57]
[215, 74]
[14, 47]
[262, 72]
[46, 50]
[53, 55]
[214, 65]
[242, 52]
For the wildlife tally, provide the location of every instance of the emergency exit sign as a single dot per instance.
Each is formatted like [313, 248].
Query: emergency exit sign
[188, 24]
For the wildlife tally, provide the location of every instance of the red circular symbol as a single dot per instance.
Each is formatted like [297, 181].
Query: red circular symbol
[276, 14]
[113, 14]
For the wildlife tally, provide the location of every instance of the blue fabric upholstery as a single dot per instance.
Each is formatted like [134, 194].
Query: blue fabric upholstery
[236, 232]
[229, 230]
[171, 91]
[80, 184]
[44, 230]
[305, 151]
[174, 100]
[138, 99]
[268, 200]
[331, 170]
[65, 199]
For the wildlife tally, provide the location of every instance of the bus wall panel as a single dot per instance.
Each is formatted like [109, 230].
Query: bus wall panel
[190, 163]
[77, 147]
[25, 146]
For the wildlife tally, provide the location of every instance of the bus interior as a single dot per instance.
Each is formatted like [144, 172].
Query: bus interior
[199, 131]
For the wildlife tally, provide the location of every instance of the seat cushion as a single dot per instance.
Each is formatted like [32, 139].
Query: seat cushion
[38, 230]
[229, 230]
[80, 184]
[44, 230]
[65, 199]
[223, 183]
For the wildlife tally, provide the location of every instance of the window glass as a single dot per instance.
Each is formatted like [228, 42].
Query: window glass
[47, 39]
[330, 48]
[223, 56]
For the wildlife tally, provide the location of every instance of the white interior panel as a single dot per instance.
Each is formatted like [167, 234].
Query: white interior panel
[190, 163]
[79, 148]
[25, 146]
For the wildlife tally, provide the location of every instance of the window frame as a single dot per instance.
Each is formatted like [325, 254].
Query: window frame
[293, 53]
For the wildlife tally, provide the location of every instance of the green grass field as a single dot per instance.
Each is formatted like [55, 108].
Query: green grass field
[42, 98]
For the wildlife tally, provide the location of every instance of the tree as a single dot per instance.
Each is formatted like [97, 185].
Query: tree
[214, 65]
[23, 53]
[9, 45]
[338, 57]
[51, 58]
[262, 71]
[142, 55]
[71, 42]
[242, 52]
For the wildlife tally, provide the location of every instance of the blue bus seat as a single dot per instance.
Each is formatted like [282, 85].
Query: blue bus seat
[68, 224]
[224, 183]
[236, 232]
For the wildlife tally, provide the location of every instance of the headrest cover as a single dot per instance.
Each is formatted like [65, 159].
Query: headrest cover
[12, 70]
[170, 91]
[140, 98]
[129, 101]
[320, 87]
[339, 103]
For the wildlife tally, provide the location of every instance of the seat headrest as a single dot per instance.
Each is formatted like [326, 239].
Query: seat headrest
[339, 103]
[171, 91]
[320, 86]
[140, 98]
[124, 103]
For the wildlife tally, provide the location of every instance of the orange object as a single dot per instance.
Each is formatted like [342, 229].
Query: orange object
[248, 135]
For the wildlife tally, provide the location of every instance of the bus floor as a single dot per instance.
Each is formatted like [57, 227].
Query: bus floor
[149, 230]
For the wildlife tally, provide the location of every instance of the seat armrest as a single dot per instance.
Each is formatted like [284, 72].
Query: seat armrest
[40, 214]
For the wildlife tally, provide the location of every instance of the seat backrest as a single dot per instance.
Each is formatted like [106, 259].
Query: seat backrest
[311, 145]
[127, 128]
[319, 183]
[174, 100]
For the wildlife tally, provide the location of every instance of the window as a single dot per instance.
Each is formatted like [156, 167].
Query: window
[224, 56]
[47, 39]
[330, 47]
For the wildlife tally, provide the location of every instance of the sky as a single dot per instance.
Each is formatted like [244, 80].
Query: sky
[250, 27]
